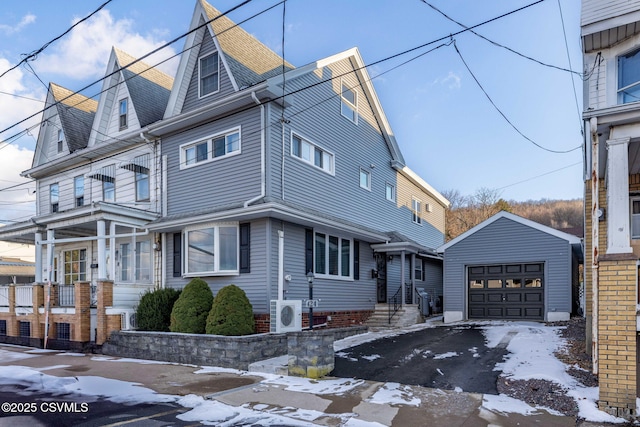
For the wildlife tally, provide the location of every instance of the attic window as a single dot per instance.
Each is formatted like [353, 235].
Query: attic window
[209, 72]
[60, 140]
[123, 113]
[349, 104]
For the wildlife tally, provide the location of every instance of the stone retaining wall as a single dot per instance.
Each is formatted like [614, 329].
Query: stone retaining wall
[222, 351]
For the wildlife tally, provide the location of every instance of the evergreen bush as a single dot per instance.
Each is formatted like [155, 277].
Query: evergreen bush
[190, 310]
[231, 313]
[154, 311]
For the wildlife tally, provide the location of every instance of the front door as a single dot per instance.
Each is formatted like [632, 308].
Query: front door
[381, 281]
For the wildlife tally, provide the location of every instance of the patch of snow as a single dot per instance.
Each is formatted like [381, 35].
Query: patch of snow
[446, 355]
[124, 359]
[457, 390]
[355, 422]
[586, 398]
[323, 386]
[507, 405]
[440, 371]
[372, 357]
[346, 355]
[394, 393]
[6, 355]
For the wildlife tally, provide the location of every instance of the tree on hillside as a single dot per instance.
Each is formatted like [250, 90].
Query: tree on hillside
[466, 212]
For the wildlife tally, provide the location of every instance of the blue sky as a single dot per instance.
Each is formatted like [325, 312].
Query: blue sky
[448, 131]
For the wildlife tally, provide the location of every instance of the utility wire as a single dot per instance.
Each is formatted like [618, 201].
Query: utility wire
[128, 65]
[541, 175]
[31, 56]
[573, 83]
[503, 115]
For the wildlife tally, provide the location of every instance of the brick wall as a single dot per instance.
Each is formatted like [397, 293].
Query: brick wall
[617, 334]
[334, 319]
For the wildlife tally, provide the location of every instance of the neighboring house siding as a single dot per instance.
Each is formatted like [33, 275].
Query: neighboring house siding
[433, 278]
[108, 102]
[595, 87]
[431, 231]
[113, 128]
[253, 283]
[221, 182]
[192, 99]
[506, 241]
[599, 10]
[50, 151]
[316, 117]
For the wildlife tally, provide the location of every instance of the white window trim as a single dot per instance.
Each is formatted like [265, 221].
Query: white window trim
[368, 173]
[619, 96]
[126, 113]
[61, 263]
[416, 217]
[133, 260]
[216, 272]
[393, 192]
[348, 278]
[354, 119]
[209, 140]
[332, 170]
[200, 96]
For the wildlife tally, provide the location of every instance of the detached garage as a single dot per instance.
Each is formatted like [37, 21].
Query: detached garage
[511, 268]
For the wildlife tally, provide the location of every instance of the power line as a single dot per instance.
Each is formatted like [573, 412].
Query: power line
[573, 83]
[541, 175]
[503, 115]
[35, 53]
[128, 65]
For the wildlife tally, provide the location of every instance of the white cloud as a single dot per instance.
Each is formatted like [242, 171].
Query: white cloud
[15, 203]
[85, 51]
[26, 20]
[452, 81]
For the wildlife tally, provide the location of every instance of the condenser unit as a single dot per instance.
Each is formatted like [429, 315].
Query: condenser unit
[286, 315]
[128, 320]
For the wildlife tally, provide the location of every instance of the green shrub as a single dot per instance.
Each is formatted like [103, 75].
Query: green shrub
[154, 311]
[231, 313]
[190, 311]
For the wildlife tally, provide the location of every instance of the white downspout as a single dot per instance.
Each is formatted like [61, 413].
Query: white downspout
[280, 264]
[263, 177]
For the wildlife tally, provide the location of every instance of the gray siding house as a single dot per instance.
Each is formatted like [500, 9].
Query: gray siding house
[271, 176]
[509, 267]
[243, 170]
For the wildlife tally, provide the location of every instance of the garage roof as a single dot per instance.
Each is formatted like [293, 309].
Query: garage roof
[573, 240]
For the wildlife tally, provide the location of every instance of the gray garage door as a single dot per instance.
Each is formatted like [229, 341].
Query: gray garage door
[508, 291]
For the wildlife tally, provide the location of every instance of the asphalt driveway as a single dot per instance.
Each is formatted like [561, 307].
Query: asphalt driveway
[443, 357]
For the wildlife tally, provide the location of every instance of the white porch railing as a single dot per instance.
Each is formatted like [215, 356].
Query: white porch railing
[24, 296]
[4, 296]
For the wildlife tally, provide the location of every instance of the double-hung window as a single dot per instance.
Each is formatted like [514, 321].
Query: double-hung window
[78, 190]
[109, 190]
[333, 256]
[54, 197]
[311, 154]
[209, 74]
[629, 77]
[212, 250]
[123, 113]
[365, 179]
[60, 140]
[635, 218]
[135, 265]
[416, 211]
[390, 192]
[349, 103]
[214, 147]
[142, 186]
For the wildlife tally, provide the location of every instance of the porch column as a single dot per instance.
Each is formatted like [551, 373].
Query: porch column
[38, 243]
[412, 274]
[51, 235]
[618, 222]
[102, 249]
[402, 277]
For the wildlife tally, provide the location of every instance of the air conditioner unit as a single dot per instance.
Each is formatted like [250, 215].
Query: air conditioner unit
[286, 315]
[128, 320]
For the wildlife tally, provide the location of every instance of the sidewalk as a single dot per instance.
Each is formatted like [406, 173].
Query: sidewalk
[327, 402]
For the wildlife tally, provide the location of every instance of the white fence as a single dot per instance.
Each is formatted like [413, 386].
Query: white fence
[4, 296]
[24, 296]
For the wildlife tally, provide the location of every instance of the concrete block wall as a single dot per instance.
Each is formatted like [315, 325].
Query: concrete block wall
[311, 353]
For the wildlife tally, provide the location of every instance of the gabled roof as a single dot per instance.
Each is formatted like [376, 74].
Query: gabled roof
[76, 114]
[148, 88]
[573, 240]
[247, 60]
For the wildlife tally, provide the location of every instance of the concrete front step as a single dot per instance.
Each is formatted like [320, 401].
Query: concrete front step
[406, 315]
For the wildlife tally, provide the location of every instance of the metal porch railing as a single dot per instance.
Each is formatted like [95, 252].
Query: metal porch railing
[396, 302]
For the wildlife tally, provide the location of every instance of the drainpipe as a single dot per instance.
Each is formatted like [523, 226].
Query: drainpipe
[262, 154]
[595, 224]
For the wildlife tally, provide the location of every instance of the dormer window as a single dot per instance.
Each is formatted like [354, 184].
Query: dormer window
[123, 113]
[60, 140]
[629, 77]
[349, 104]
[209, 73]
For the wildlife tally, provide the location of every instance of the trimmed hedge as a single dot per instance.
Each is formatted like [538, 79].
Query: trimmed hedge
[231, 313]
[190, 311]
[154, 311]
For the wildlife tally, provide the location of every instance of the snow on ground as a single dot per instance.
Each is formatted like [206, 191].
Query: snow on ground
[531, 347]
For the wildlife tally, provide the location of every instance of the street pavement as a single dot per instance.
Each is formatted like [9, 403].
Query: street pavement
[354, 406]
